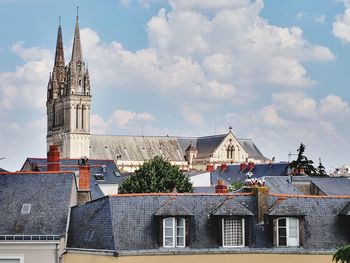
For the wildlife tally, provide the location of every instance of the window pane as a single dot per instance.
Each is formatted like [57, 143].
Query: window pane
[180, 241]
[282, 232]
[282, 241]
[168, 222]
[169, 232]
[168, 242]
[282, 222]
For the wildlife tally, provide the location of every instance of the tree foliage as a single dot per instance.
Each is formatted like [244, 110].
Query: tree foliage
[235, 186]
[342, 255]
[302, 163]
[156, 176]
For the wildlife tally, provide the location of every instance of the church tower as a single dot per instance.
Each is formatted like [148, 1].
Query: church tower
[69, 101]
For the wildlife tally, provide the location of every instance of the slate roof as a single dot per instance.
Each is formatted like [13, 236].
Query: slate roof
[107, 168]
[281, 185]
[206, 145]
[129, 222]
[230, 207]
[172, 207]
[332, 185]
[2, 170]
[134, 148]
[233, 174]
[49, 195]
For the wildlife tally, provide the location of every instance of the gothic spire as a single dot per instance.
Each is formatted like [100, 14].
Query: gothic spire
[59, 56]
[77, 54]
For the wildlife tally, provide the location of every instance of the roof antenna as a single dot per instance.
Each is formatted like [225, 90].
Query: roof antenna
[77, 12]
[59, 21]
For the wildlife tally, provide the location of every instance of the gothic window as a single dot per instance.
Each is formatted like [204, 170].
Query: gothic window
[82, 117]
[232, 151]
[228, 152]
[77, 118]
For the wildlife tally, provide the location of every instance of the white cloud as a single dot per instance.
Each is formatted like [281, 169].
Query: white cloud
[341, 25]
[320, 19]
[25, 88]
[300, 15]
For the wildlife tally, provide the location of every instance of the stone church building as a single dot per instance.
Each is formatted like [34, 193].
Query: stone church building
[68, 126]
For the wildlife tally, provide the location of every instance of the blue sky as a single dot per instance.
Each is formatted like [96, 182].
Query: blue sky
[276, 71]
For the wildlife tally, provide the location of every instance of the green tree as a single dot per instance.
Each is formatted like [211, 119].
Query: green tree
[156, 176]
[235, 186]
[321, 170]
[303, 163]
[342, 255]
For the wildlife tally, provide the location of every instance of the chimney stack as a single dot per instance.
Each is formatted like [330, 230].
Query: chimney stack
[84, 194]
[243, 166]
[250, 166]
[53, 159]
[223, 167]
[261, 194]
[221, 188]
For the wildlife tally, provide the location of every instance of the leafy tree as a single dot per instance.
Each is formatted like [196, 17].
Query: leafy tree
[235, 186]
[303, 163]
[342, 255]
[156, 176]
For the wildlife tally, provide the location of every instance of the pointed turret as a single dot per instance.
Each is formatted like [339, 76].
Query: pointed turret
[59, 56]
[77, 55]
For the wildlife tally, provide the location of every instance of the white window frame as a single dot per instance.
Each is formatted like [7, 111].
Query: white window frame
[288, 242]
[175, 235]
[11, 256]
[223, 231]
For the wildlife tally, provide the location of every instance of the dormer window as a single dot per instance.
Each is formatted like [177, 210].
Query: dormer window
[287, 232]
[233, 232]
[174, 232]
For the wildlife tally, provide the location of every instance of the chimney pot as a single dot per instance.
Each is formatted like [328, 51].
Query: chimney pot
[221, 187]
[243, 166]
[223, 167]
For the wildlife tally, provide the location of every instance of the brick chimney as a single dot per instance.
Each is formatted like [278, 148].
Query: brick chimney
[210, 168]
[242, 167]
[84, 194]
[53, 159]
[221, 188]
[250, 166]
[261, 194]
[223, 167]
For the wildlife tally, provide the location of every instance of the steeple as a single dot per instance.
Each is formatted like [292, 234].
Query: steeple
[59, 56]
[77, 55]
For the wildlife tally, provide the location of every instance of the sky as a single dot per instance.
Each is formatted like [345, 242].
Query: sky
[277, 72]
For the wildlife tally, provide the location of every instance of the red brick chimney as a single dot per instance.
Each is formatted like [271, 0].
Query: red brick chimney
[53, 159]
[223, 167]
[210, 168]
[221, 187]
[243, 166]
[84, 177]
[250, 166]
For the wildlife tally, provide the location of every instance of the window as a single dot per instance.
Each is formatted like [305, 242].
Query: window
[174, 232]
[233, 232]
[287, 232]
[4, 258]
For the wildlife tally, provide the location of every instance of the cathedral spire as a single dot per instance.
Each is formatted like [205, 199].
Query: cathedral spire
[59, 56]
[77, 55]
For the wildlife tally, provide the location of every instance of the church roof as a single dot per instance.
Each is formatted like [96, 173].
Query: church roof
[134, 148]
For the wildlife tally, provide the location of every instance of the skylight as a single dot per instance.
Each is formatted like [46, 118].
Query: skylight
[26, 209]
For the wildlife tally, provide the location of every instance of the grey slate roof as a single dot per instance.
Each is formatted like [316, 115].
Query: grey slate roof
[173, 208]
[107, 168]
[230, 207]
[49, 195]
[128, 222]
[332, 185]
[233, 174]
[134, 148]
[281, 185]
[253, 151]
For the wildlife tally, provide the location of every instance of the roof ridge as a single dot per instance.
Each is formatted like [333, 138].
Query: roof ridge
[311, 196]
[179, 194]
[44, 172]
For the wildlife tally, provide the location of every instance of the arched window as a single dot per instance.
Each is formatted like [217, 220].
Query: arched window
[287, 232]
[77, 117]
[82, 117]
